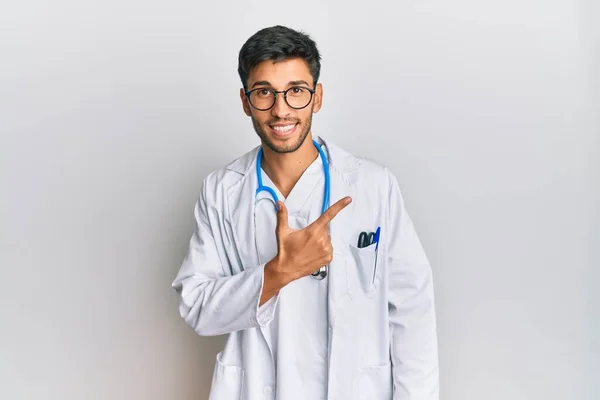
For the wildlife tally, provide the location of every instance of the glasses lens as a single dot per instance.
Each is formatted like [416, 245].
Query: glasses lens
[262, 99]
[298, 97]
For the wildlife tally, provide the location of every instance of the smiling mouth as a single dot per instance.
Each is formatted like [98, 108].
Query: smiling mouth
[283, 130]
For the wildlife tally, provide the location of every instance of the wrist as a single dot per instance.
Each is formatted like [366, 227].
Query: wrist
[276, 273]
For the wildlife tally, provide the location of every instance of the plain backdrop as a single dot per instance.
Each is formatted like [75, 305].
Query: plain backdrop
[112, 112]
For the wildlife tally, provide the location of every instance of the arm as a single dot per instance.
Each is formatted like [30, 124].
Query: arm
[273, 281]
[211, 300]
[413, 336]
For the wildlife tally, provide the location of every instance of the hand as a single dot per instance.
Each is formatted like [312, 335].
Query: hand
[302, 252]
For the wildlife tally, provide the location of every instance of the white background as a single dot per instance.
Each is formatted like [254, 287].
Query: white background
[112, 112]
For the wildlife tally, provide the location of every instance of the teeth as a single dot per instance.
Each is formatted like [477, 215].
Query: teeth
[283, 129]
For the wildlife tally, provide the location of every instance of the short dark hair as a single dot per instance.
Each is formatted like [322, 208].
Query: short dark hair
[278, 43]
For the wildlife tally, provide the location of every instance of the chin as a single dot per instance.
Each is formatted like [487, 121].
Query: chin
[285, 144]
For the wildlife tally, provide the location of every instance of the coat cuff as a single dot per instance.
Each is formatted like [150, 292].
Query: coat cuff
[266, 312]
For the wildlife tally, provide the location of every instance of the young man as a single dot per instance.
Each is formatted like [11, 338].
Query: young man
[305, 255]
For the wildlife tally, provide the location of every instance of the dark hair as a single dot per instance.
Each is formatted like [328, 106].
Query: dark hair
[278, 43]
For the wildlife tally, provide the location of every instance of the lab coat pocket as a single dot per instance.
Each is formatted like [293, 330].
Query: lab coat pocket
[227, 381]
[375, 382]
[366, 266]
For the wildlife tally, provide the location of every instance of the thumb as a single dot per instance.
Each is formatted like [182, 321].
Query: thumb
[282, 217]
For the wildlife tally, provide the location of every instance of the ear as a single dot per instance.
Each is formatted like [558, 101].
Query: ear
[245, 104]
[318, 98]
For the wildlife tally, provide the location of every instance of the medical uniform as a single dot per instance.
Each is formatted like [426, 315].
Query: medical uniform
[367, 331]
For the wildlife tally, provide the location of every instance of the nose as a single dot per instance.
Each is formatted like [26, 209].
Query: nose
[280, 109]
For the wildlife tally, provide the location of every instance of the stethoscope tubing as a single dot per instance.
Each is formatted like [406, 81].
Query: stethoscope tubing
[321, 273]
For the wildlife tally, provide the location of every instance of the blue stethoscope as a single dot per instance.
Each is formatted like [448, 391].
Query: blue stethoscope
[321, 273]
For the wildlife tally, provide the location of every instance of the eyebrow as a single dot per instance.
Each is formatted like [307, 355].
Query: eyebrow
[291, 83]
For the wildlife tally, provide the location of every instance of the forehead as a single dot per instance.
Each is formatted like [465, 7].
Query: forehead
[280, 73]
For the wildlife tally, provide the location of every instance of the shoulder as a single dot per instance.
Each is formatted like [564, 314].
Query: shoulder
[360, 170]
[369, 179]
[220, 180]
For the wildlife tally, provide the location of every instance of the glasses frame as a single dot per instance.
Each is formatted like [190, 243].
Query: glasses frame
[276, 93]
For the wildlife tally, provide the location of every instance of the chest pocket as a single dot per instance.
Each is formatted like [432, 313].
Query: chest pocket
[365, 259]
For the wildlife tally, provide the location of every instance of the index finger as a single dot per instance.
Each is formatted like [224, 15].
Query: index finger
[331, 212]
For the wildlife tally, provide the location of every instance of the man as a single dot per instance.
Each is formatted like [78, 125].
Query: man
[326, 295]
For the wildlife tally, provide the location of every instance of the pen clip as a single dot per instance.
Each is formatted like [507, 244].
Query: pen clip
[376, 238]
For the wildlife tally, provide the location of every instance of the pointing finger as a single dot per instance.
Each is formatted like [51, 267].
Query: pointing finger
[331, 212]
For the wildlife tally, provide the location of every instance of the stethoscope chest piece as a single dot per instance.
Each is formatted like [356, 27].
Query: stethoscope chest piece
[320, 274]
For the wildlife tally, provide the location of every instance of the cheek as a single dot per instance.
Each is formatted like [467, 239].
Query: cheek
[260, 119]
[306, 117]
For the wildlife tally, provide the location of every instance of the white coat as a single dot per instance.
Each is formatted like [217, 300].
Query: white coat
[382, 328]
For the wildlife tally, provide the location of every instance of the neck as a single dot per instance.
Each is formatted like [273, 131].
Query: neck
[285, 169]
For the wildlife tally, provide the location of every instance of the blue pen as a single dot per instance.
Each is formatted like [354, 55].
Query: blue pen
[376, 240]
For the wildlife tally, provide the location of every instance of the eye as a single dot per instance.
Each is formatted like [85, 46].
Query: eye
[263, 92]
[298, 92]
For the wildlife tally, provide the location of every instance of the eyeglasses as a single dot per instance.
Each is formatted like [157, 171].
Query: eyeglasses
[263, 99]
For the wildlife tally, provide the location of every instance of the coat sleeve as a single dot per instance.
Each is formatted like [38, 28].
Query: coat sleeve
[413, 332]
[212, 300]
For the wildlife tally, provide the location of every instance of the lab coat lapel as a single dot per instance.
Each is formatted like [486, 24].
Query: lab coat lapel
[340, 163]
[339, 290]
[240, 198]
[339, 301]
